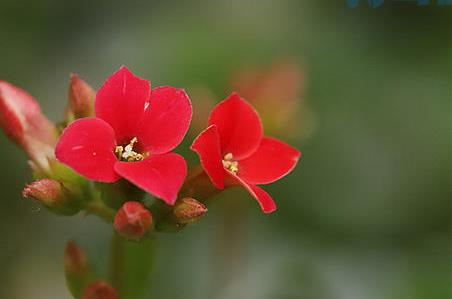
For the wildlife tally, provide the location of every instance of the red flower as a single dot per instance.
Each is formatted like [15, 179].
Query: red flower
[233, 150]
[134, 130]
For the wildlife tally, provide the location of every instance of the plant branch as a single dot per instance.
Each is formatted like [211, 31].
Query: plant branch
[98, 208]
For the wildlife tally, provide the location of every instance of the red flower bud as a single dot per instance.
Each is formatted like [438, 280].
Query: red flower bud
[132, 220]
[77, 270]
[23, 122]
[46, 191]
[53, 195]
[99, 290]
[81, 99]
[188, 210]
[75, 259]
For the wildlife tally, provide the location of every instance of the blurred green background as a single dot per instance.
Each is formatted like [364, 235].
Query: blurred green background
[366, 214]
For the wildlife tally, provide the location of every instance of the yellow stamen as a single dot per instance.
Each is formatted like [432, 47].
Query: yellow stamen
[118, 151]
[229, 157]
[230, 164]
[127, 153]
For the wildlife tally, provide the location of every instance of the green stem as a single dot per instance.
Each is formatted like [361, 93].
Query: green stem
[98, 208]
[130, 266]
[117, 262]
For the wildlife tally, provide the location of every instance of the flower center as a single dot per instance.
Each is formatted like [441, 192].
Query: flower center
[127, 153]
[230, 164]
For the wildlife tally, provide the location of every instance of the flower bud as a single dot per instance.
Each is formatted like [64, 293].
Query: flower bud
[53, 195]
[77, 270]
[132, 220]
[99, 290]
[81, 99]
[75, 259]
[23, 122]
[188, 210]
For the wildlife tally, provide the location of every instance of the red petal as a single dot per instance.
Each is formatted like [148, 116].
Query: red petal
[21, 117]
[160, 175]
[87, 146]
[263, 198]
[272, 161]
[120, 102]
[166, 120]
[239, 126]
[207, 146]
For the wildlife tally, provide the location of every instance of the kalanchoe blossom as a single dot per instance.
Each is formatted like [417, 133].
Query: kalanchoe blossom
[23, 122]
[132, 220]
[233, 151]
[134, 130]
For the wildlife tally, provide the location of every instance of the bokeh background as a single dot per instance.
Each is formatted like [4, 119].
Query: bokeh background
[365, 215]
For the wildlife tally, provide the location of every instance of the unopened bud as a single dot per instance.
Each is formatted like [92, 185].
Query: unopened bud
[81, 99]
[23, 122]
[21, 117]
[75, 259]
[99, 290]
[188, 210]
[77, 270]
[132, 220]
[53, 195]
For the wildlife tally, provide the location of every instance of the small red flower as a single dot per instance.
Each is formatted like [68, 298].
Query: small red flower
[233, 149]
[134, 130]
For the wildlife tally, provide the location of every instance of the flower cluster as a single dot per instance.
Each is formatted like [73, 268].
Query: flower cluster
[115, 146]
